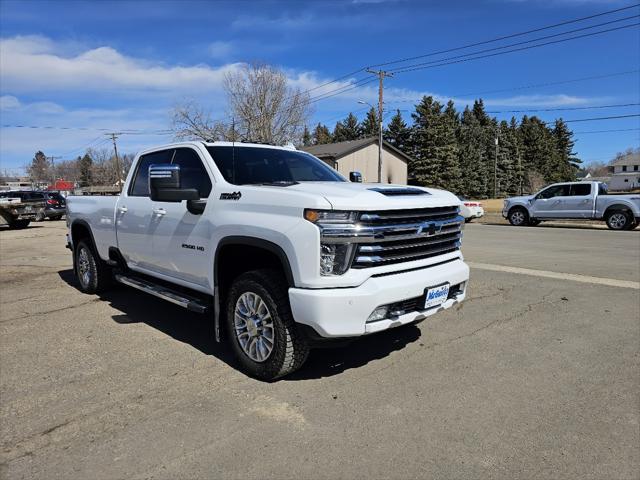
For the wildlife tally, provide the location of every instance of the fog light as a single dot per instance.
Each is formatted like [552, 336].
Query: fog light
[335, 259]
[379, 313]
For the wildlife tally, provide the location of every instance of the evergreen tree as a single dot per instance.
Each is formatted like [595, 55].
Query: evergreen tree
[538, 150]
[398, 133]
[306, 137]
[321, 135]
[370, 127]
[348, 129]
[567, 163]
[86, 170]
[434, 146]
[39, 170]
[472, 156]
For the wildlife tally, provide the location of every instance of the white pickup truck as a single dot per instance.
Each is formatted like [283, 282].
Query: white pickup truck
[574, 200]
[278, 248]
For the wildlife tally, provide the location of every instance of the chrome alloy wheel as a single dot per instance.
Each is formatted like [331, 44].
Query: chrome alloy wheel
[254, 326]
[618, 221]
[84, 267]
[517, 217]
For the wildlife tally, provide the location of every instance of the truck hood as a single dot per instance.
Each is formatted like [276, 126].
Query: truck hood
[376, 196]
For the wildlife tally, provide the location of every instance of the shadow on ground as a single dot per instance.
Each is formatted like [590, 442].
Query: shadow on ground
[196, 330]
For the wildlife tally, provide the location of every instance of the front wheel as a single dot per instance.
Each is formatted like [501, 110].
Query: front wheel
[92, 274]
[260, 326]
[618, 220]
[518, 217]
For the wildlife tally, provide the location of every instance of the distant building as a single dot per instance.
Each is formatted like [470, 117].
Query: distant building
[362, 156]
[15, 183]
[625, 173]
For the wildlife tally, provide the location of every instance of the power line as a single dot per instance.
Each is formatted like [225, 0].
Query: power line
[532, 40]
[330, 94]
[601, 118]
[561, 109]
[446, 61]
[547, 84]
[607, 131]
[505, 37]
[52, 127]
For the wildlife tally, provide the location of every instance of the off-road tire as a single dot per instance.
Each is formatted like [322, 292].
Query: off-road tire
[518, 217]
[290, 348]
[99, 276]
[619, 220]
[19, 224]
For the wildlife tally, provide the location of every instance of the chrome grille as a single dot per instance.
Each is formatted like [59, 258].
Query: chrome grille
[395, 236]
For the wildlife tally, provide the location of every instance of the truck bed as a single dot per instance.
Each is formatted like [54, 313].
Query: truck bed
[99, 213]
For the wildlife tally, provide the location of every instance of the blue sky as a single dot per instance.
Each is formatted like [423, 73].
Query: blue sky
[123, 65]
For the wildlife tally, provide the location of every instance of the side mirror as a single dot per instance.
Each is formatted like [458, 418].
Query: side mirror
[164, 184]
[355, 177]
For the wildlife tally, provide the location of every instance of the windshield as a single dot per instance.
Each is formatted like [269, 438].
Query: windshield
[254, 165]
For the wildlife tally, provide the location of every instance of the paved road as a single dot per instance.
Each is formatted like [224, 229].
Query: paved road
[532, 377]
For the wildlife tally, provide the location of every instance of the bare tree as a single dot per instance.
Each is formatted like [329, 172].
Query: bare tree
[192, 122]
[264, 108]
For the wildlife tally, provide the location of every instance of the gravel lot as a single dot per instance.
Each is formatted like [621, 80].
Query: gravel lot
[536, 375]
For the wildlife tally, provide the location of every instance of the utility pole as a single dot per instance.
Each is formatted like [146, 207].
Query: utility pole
[495, 169]
[53, 165]
[380, 74]
[114, 136]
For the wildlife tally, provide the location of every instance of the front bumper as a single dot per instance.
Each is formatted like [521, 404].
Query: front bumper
[343, 312]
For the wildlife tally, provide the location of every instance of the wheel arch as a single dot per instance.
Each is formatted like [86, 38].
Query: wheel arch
[235, 255]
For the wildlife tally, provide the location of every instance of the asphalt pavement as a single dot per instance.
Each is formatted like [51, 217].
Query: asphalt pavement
[536, 375]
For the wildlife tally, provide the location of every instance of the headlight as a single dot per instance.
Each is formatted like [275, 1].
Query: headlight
[335, 256]
[329, 216]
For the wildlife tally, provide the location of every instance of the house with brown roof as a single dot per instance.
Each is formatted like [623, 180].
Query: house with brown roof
[362, 156]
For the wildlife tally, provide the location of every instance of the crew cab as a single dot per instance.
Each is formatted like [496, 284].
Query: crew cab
[279, 249]
[574, 200]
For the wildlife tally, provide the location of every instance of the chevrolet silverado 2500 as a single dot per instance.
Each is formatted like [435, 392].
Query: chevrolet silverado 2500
[574, 200]
[275, 245]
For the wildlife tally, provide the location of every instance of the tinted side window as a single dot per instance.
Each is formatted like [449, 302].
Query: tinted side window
[140, 186]
[192, 171]
[580, 190]
[557, 191]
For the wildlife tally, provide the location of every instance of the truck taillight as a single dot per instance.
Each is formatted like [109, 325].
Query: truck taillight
[51, 202]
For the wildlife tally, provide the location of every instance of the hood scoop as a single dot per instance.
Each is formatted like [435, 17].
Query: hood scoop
[396, 192]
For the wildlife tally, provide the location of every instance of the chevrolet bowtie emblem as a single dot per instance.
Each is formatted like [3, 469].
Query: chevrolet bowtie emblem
[429, 228]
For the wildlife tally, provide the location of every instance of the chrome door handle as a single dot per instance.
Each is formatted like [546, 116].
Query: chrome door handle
[159, 211]
[122, 209]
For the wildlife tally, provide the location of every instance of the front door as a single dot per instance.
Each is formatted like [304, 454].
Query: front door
[182, 239]
[549, 203]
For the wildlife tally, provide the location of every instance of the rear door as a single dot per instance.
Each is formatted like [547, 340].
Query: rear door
[135, 221]
[579, 203]
[181, 239]
[549, 203]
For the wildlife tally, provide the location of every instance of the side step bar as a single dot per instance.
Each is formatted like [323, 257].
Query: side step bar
[178, 298]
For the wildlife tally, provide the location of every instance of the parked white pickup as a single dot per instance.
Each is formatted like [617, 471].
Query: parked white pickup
[277, 245]
[575, 200]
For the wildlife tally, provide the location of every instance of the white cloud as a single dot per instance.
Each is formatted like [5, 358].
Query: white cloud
[9, 102]
[36, 63]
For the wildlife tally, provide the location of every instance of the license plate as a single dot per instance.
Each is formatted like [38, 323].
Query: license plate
[435, 296]
[27, 209]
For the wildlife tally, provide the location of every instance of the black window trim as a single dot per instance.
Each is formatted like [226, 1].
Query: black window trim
[173, 154]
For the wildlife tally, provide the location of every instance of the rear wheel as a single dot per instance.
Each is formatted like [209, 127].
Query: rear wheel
[619, 220]
[92, 274]
[518, 217]
[263, 335]
[19, 224]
